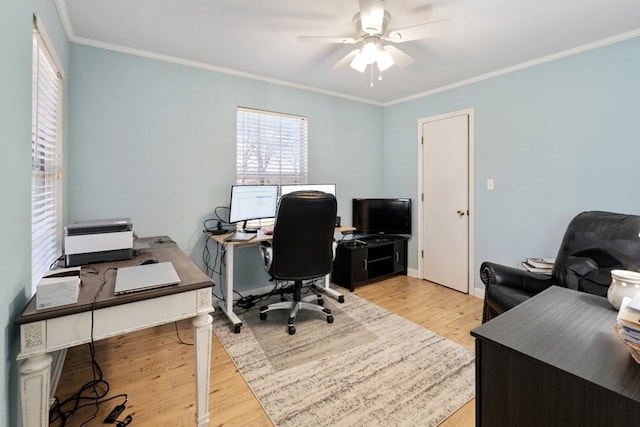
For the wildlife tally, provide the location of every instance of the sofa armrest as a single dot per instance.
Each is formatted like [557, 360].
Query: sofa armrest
[506, 287]
[497, 274]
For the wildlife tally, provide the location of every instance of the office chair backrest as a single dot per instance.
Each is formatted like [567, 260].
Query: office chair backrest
[303, 235]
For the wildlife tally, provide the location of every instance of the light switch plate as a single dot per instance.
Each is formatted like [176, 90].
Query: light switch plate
[490, 185]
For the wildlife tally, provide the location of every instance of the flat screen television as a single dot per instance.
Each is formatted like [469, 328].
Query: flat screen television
[249, 202]
[382, 216]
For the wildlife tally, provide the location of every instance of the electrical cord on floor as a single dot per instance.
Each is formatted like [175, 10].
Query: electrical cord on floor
[127, 420]
[178, 335]
[98, 387]
[247, 302]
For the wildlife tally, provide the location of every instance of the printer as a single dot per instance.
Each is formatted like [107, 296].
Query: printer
[101, 240]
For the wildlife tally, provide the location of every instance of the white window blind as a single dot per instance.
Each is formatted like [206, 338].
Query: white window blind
[46, 236]
[271, 148]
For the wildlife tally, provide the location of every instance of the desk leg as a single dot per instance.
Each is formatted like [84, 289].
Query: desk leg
[35, 384]
[326, 289]
[227, 305]
[202, 342]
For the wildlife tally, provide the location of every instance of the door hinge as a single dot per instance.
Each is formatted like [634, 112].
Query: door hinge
[422, 140]
[422, 197]
[422, 253]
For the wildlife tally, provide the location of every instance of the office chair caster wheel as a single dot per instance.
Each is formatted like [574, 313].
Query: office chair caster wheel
[329, 319]
[320, 301]
[263, 316]
[236, 328]
[341, 299]
[291, 329]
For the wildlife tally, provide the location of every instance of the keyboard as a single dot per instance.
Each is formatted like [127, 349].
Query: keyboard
[239, 236]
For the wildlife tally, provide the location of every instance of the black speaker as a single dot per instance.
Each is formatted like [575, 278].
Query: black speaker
[337, 221]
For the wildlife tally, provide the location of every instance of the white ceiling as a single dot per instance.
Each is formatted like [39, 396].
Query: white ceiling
[258, 38]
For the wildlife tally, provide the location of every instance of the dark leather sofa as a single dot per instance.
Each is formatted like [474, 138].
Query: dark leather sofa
[594, 244]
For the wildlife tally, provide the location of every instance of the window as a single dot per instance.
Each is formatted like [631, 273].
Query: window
[46, 171]
[271, 148]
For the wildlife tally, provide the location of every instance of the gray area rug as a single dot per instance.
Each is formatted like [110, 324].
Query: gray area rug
[368, 368]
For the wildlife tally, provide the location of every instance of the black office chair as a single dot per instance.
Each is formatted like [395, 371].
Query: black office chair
[301, 249]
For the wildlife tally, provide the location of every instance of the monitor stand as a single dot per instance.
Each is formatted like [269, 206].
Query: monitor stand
[248, 230]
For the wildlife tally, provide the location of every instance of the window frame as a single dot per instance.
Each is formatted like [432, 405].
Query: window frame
[260, 133]
[46, 154]
[267, 133]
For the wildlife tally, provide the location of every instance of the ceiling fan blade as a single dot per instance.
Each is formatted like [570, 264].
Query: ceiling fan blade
[421, 31]
[346, 60]
[372, 16]
[323, 39]
[400, 58]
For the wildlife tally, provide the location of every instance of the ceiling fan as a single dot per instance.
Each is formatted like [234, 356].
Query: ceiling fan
[371, 31]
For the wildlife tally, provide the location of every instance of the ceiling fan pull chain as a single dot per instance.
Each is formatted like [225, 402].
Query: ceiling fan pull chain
[371, 74]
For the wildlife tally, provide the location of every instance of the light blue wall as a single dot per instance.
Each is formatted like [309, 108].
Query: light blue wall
[558, 139]
[156, 141]
[15, 177]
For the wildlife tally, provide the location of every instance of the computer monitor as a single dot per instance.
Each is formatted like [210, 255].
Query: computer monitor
[250, 202]
[326, 188]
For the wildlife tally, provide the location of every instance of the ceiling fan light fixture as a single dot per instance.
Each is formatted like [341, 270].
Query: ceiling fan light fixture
[359, 63]
[384, 60]
[369, 50]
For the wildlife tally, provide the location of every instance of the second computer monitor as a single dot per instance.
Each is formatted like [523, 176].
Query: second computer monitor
[325, 188]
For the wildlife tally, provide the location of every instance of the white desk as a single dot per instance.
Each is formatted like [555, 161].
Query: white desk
[227, 305]
[46, 331]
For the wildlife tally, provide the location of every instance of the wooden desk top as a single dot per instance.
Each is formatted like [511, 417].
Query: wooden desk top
[98, 281]
[571, 331]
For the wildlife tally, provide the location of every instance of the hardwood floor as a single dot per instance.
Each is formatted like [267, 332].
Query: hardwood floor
[155, 369]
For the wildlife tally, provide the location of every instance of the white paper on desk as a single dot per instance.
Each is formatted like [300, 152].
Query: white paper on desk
[623, 306]
[634, 303]
[628, 318]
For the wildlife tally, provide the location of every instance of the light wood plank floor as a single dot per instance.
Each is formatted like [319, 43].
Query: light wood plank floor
[155, 370]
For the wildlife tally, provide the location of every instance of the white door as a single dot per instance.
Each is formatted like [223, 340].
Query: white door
[445, 209]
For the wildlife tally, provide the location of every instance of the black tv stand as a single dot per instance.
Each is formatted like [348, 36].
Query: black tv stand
[380, 256]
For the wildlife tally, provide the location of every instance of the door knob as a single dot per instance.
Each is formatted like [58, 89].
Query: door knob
[460, 212]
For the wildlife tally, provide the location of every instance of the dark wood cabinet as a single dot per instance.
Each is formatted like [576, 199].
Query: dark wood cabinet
[375, 259]
[555, 360]
[400, 257]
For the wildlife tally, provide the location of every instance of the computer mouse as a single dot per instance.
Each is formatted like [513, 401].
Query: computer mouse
[148, 261]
